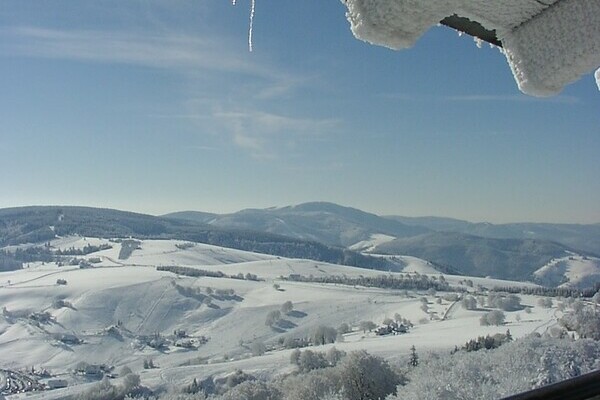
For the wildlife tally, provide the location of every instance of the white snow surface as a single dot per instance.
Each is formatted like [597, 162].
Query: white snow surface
[556, 47]
[370, 244]
[548, 44]
[597, 74]
[147, 301]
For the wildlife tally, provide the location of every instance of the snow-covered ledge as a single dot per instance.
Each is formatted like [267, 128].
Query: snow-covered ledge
[548, 43]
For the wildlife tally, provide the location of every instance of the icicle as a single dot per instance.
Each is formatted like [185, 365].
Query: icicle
[251, 25]
[253, 6]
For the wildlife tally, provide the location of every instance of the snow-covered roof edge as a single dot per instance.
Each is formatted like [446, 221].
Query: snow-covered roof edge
[547, 47]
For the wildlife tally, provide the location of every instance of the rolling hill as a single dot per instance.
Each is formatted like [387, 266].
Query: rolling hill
[511, 251]
[515, 259]
[42, 224]
[120, 313]
[582, 237]
[319, 221]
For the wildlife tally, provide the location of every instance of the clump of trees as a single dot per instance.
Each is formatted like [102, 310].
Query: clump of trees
[87, 249]
[273, 317]
[287, 307]
[105, 390]
[198, 272]
[409, 282]
[547, 291]
[292, 342]
[495, 317]
[545, 302]
[258, 348]
[585, 320]
[367, 326]
[486, 342]
[185, 245]
[332, 375]
[61, 303]
[363, 376]
[508, 302]
[451, 297]
[191, 292]
[190, 271]
[469, 303]
[309, 360]
[318, 336]
[149, 363]
[344, 328]
[518, 366]
[323, 335]
[30, 254]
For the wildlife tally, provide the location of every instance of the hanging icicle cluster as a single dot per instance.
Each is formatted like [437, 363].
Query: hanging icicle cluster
[252, 8]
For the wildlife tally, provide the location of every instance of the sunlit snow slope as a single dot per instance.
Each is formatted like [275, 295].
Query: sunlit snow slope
[108, 313]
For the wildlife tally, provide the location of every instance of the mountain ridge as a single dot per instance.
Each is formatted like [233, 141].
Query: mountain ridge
[39, 224]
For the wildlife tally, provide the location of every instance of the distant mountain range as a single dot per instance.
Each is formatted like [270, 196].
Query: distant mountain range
[512, 259]
[323, 222]
[40, 224]
[332, 233]
[508, 251]
[582, 237]
[344, 226]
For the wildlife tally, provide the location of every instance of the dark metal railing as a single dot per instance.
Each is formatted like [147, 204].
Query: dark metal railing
[584, 387]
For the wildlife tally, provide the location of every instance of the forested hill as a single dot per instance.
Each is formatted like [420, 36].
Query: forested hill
[581, 237]
[41, 224]
[514, 259]
[323, 222]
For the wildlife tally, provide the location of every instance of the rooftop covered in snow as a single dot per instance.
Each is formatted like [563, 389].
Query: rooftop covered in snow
[548, 43]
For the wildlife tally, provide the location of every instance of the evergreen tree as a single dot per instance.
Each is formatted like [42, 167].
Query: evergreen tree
[414, 358]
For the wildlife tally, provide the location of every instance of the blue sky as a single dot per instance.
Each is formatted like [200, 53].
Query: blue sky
[157, 106]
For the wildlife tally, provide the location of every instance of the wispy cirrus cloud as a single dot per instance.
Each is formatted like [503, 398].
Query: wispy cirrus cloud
[260, 133]
[225, 111]
[165, 50]
[264, 133]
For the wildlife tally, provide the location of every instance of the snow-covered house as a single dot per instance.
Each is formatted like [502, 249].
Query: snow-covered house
[394, 328]
[93, 370]
[548, 44]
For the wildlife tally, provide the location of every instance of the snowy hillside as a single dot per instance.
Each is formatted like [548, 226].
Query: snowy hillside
[123, 311]
[571, 271]
[509, 251]
[323, 222]
[514, 259]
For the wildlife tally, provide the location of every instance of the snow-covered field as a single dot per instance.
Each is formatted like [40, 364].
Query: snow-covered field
[109, 312]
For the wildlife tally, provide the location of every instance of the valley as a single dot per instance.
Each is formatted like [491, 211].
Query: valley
[120, 313]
